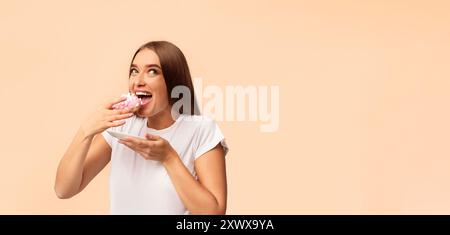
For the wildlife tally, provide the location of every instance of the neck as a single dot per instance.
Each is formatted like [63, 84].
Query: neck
[161, 120]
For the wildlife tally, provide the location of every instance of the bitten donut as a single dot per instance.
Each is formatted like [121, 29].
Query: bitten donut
[131, 102]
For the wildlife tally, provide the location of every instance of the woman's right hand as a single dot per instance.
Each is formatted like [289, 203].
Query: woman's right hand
[106, 117]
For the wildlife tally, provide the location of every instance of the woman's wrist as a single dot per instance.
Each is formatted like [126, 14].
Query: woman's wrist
[85, 134]
[170, 159]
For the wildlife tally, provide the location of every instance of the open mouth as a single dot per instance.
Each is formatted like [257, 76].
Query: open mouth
[145, 97]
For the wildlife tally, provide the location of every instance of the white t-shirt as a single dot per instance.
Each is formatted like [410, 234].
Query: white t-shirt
[140, 186]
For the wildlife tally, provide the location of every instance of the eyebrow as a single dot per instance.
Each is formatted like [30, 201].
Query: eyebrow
[147, 65]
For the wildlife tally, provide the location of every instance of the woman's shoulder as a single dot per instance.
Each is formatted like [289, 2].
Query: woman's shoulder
[207, 133]
[199, 121]
[200, 124]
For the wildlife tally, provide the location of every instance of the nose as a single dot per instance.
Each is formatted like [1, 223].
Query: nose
[139, 81]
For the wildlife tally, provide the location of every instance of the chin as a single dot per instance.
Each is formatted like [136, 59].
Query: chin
[142, 114]
[145, 113]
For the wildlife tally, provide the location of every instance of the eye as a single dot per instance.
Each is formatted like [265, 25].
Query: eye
[153, 72]
[133, 71]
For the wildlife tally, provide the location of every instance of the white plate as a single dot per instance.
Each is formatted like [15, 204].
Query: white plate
[121, 135]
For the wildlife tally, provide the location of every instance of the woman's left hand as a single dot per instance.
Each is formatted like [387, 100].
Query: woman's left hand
[151, 148]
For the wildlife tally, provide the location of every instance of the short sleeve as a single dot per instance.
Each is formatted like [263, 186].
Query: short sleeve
[209, 135]
[108, 138]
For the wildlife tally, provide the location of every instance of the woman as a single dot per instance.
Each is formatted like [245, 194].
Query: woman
[179, 165]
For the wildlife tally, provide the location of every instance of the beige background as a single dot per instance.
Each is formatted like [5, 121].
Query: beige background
[364, 92]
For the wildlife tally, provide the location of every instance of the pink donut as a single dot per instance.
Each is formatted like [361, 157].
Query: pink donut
[131, 102]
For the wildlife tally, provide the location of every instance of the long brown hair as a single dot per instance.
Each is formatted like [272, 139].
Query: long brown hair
[174, 68]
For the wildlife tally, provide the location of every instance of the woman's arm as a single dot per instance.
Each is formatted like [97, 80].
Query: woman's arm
[208, 195]
[83, 160]
[88, 153]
